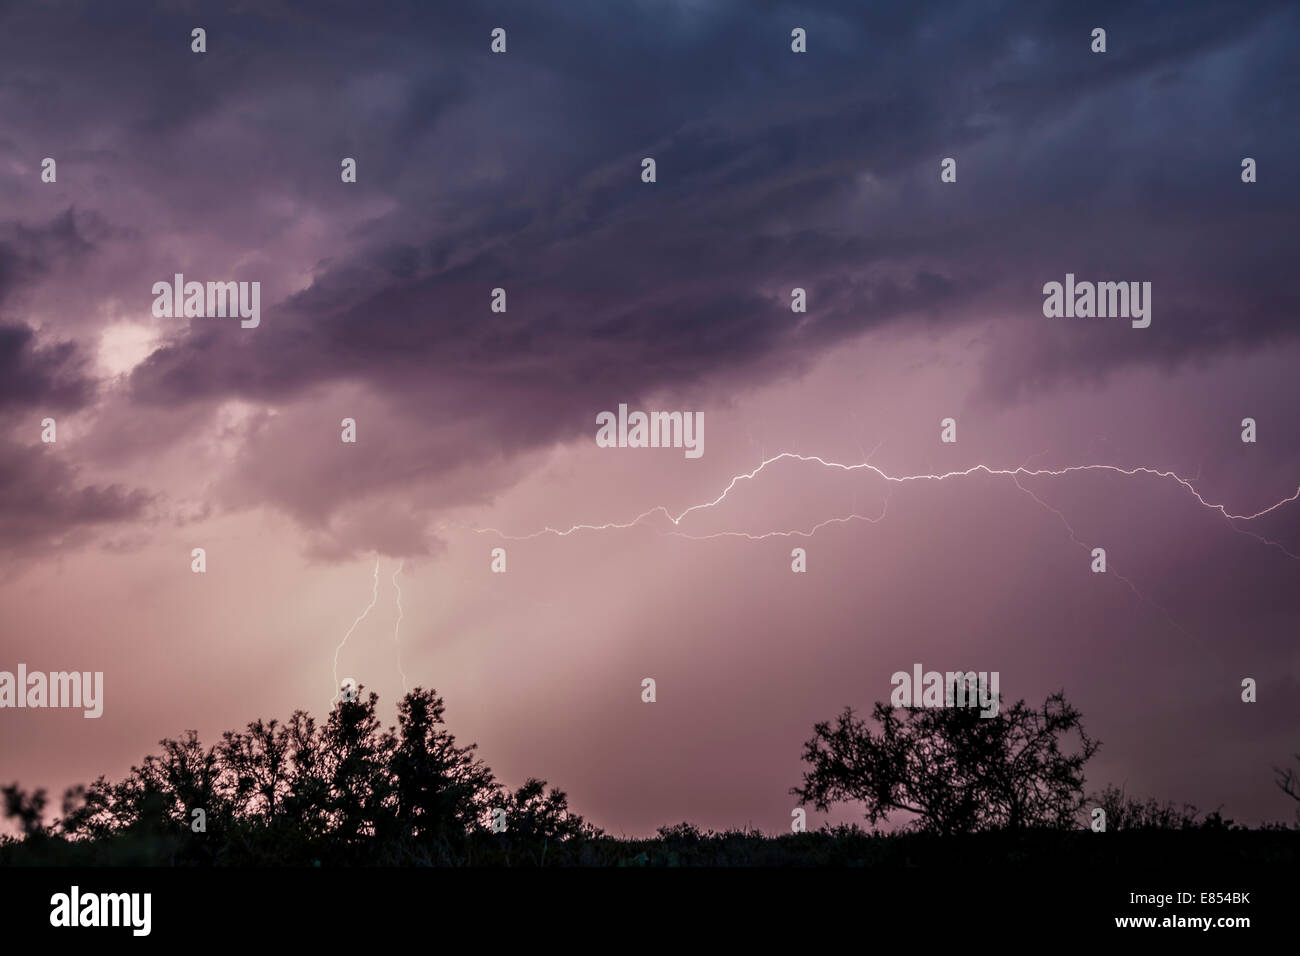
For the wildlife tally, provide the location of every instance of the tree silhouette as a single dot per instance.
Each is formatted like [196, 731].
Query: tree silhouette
[347, 792]
[955, 771]
[355, 769]
[256, 763]
[442, 791]
[537, 820]
[299, 793]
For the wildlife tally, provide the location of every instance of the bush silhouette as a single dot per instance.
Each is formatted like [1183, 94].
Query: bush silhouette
[350, 793]
[297, 793]
[951, 769]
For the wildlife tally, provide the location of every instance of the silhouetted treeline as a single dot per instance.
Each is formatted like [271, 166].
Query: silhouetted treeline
[346, 793]
[1007, 789]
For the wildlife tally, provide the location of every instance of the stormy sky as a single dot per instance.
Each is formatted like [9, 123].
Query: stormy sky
[476, 428]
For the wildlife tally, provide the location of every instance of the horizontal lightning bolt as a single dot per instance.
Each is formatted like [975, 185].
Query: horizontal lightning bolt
[1013, 473]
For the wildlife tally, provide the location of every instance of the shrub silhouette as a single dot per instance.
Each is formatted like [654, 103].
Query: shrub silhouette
[348, 793]
[1127, 813]
[953, 770]
[297, 793]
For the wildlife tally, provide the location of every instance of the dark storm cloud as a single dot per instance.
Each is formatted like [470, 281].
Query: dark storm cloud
[44, 502]
[774, 170]
[29, 254]
[575, 229]
[45, 374]
[39, 377]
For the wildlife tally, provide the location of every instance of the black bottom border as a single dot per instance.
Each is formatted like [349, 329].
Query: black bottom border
[367, 905]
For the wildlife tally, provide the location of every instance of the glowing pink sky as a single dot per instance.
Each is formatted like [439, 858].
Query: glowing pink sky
[523, 172]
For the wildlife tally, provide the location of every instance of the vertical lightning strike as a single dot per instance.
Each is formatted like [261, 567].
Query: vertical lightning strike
[373, 600]
[398, 625]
